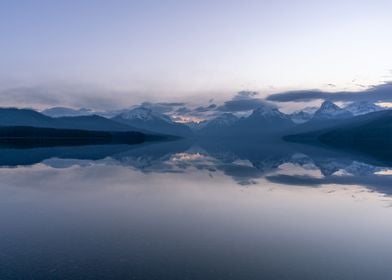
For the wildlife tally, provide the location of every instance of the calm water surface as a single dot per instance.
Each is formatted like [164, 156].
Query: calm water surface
[194, 211]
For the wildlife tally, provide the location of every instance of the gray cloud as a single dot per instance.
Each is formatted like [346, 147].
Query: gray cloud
[208, 108]
[28, 95]
[242, 101]
[172, 104]
[377, 93]
[245, 95]
[164, 107]
[77, 96]
[183, 110]
[72, 96]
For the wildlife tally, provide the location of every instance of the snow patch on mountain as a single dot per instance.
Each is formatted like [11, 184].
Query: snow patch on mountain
[362, 108]
[144, 114]
[56, 112]
[329, 110]
[268, 113]
[223, 120]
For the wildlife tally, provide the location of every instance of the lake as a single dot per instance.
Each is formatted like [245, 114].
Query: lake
[194, 210]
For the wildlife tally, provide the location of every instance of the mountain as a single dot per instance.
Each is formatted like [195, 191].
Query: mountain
[362, 108]
[264, 121]
[146, 119]
[56, 112]
[214, 126]
[28, 117]
[24, 117]
[370, 133]
[196, 126]
[303, 115]
[326, 115]
[330, 111]
[27, 136]
[268, 117]
[92, 122]
[375, 133]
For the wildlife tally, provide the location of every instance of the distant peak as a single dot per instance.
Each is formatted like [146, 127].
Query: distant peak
[268, 112]
[264, 108]
[137, 113]
[144, 114]
[66, 112]
[223, 120]
[329, 104]
[330, 110]
[227, 115]
[362, 107]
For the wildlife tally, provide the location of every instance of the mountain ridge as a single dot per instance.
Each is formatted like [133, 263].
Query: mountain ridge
[147, 120]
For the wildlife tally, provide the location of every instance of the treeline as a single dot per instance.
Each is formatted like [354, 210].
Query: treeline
[34, 136]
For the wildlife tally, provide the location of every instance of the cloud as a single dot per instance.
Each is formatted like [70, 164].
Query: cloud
[183, 110]
[242, 101]
[208, 108]
[377, 93]
[29, 95]
[201, 112]
[298, 96]
[172, 104]
[378, 183]
[69, 96]
[240, 105]
[245, 95]
[164, 107]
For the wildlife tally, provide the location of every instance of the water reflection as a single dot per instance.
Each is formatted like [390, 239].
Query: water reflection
[245, 163]
[193, 210]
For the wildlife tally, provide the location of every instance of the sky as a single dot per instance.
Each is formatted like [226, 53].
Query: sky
[112, 54]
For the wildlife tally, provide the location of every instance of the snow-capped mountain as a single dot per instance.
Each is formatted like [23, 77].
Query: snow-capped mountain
[146, 119]
[56, 112]
[303, 115]
[263, 121]
[329, 110]
[28, 117]
[223, 121]
[268, 113]
[310, 110]
[361, 169]
[196, 126]
[144, 114]
[362, 108]
[300, 117]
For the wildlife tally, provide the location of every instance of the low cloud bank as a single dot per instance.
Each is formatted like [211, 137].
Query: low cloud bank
[379, 93]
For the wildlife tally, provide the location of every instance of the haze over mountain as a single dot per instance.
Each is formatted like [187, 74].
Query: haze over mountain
[245, 115]
[362, 107]
[28, 117]
[66, 112]
[370, 133]
[265, 120]
[244, 102]
[215, 125]
[332, 111]
[329, 111]
[304, 115]
[146, 119]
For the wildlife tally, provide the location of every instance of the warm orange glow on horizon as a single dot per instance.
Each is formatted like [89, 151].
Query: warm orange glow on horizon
[385, 104]
[187, 119]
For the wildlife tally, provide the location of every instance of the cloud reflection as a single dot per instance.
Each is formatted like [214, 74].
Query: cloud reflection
[292, 165]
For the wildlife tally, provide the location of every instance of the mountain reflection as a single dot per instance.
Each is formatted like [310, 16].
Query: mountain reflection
[245, 163]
